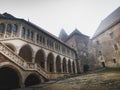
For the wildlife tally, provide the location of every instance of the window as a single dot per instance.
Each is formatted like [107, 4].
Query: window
[115, 47]
[37, 37]
[28, 33]
[98, 43]
[111, 35]
[23, 31]
[31, 34]
[9, 28]
[2, 28]
[40, 38]
[114, 60]
[15, 27]
[43, 40]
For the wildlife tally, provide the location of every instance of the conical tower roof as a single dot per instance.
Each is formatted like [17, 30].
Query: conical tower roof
[63, 35]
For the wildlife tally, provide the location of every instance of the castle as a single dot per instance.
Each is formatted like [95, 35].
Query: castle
[30, 55]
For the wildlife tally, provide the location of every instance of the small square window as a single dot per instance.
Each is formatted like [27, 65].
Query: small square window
[114, 60]
[115, 47]
[98, 43]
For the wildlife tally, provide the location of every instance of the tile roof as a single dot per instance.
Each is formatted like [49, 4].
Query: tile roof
[11, 17]
[108, 22]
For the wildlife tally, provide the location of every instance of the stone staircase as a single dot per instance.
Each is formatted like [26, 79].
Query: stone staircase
[16, 59]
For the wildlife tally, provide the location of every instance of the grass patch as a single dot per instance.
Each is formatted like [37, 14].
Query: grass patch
[111, 70]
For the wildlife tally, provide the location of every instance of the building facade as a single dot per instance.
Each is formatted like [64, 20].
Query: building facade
[79, 42]
[105, 43]
[30, 55]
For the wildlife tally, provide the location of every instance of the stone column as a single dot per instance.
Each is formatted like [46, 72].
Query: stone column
[35, 37]
[67, 67]
[33, 59]
[20, 31]
[61, 66]
[45, 63]
[54, 65]
[71, 67]
[5, 31]
[75, 66]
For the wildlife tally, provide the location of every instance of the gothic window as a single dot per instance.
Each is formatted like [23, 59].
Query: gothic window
[2, 28]
[15, 28]
[9, 28]
[23, 31]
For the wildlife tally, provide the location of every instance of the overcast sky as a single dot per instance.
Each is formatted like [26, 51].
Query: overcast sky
[53, 15]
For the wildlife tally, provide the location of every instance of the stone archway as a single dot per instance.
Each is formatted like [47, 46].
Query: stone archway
[64, 65]
[69, 66]
[9, 78]
[50, 62]
[73, 64]
[40, 58]
[58, 64]
[32, 79]
[26, 53]
[85, 68]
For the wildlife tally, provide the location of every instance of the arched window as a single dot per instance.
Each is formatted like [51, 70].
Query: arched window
[9, 28]
[23, 31]
[15, 28]
[2, 28]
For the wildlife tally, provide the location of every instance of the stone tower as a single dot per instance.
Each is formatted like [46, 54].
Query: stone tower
[63, 35]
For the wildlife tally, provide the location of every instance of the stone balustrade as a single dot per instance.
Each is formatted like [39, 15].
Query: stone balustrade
[20, 61]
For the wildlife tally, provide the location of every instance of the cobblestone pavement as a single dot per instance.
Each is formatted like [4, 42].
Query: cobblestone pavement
[94, 81]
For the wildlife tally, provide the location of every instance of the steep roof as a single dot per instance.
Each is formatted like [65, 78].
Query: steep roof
[11, 17]
[76, 32]
[108, 22]
[63, 35]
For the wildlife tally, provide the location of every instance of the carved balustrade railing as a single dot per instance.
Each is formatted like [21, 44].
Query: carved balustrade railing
[20, 61]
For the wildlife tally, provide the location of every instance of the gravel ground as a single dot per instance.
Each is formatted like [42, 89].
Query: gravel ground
[95, 81]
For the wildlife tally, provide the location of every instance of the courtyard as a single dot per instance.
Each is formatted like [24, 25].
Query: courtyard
[106, 79]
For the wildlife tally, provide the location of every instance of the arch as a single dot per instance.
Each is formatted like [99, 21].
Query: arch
[9, 78]
[85, 68]
[69, 66]
[26, 53]
[64, 65]
[40, 58]
[2, 28]
[73, 64]
[32, 79]
[58, 64]
[50, 62]
[11, 46]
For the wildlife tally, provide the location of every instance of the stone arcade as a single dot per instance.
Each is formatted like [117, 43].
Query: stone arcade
[30, 55]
